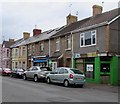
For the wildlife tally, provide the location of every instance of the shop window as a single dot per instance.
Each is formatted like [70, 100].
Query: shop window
[89, 59]
[105, 67]
[105, 58]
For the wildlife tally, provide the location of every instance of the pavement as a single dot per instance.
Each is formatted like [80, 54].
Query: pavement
[103, 87]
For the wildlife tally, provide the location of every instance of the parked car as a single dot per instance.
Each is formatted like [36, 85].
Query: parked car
[36, 73]
[17, 72]
[66, 76]
[6, 71]
[0, 71]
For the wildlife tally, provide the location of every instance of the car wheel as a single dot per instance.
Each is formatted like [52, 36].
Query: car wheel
[81, 86]
[48, 80]
[11, 75]
[66, 83]
[36, 78]
[24, 77]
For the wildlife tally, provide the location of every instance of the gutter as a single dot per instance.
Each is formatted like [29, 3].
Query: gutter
[113, 19]
[92, 26]
[96, 25]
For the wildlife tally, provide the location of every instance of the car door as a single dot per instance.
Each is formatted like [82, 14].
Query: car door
[33, 71]
[28, 73]
[60, 76]
[54, 75]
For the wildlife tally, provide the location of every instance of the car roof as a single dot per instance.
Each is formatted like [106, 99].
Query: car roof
[67, 68]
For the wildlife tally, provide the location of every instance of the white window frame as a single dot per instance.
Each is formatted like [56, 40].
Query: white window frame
[57, 44]
[82, 35]
[23, 51]
[68, 42]
[16, 52]
[41, 47]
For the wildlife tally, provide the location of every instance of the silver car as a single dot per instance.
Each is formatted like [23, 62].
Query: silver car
[66, 76]
[36, 73]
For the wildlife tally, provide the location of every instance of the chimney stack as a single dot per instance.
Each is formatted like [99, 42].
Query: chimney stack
[36, 32]
[11, 40]
[26, 35]
[71, 19]
[97, 10]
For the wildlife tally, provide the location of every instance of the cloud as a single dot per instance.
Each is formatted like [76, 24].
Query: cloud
[18, 17]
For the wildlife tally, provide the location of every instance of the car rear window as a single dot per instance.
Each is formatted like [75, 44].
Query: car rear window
[76, 71]
[7, 69]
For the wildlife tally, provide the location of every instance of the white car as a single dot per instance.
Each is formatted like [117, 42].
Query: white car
[36, 73]
[66, 76]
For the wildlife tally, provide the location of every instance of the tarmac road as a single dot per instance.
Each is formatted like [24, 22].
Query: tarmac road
[18, 90]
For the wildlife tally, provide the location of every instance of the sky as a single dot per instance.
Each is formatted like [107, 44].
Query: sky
[17, 16]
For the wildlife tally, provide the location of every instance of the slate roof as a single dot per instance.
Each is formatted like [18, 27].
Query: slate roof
[90, 21]
[7, 44]
[43, 36]
[17, 43]
[70, 27]
[101, 18]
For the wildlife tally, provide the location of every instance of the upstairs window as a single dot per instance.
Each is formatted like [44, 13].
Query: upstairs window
[20, 53]
[24, 51]
[7, 52]
[88, 38]
[57, 44]
[41, 47]
[16, 52]
[68, 42]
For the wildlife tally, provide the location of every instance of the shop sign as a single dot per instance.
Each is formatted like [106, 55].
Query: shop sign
[89, 67]
[77, 55]
[93, 54]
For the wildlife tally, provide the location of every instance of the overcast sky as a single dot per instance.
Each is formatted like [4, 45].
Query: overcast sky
[19, 17]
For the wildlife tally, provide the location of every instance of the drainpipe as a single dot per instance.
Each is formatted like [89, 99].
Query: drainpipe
[49, 47]
[26, 56]
[72, 52]
[49, 52]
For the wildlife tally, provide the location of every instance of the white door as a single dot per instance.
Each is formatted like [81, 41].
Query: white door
[54, 65]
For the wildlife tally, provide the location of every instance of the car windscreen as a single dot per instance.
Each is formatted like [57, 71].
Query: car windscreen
[20, 70]
[45, 68]
[76, 71]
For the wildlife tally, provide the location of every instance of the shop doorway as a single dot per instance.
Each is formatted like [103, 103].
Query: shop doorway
[105, 73]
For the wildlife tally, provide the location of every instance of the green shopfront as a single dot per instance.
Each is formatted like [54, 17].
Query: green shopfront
[99, 69]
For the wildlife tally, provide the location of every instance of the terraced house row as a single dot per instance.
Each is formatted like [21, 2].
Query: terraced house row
[90, 44]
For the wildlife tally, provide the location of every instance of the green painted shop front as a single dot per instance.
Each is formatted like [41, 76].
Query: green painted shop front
[99, 69]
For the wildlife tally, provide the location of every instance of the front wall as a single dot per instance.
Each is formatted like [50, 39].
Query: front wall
[46, 47]
[52, 46]
[101, 42]
[119, 69]
[114, 39]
